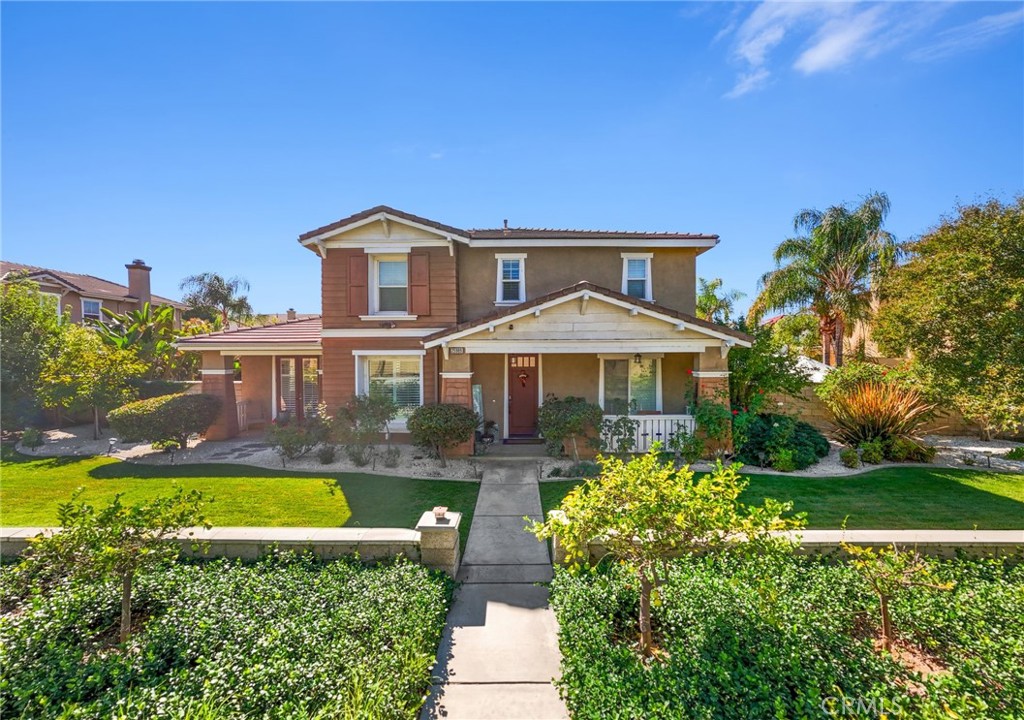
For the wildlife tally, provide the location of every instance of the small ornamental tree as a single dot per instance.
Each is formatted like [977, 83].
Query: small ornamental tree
[362, 420]
[437, 428]
[113, 543]
[569, 418]
[889, 571]
[645, 510]
[767, 367]
[168, 417]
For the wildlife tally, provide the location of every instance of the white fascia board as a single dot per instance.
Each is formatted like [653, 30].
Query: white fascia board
[360, 353]
[251, 348]
[377, 217]
[377, 332]
[595, 242]
[587, 347]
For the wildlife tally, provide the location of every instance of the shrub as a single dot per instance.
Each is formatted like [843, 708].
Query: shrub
[286, 637]
[436, 428]
[327, 454]
[31, 438]
[157, 388]
[555, 472]
[363, 419]
[714, 422]
[1016, 453]
[767, 435]
[360, 455]
[583, 469]
[291, 439]
[900, 449]
[842, 380]
[167, 445]
[167, 417]
[850, 457]
[784, 460]
[687, 446]
[879, 410]
[619, 435]
[391, 457]
[872, 452]
[569, 418]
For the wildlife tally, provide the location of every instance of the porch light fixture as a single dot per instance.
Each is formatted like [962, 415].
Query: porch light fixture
[638, 358]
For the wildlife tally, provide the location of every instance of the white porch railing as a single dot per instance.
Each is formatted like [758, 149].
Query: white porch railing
[242, 408]
[654, 428]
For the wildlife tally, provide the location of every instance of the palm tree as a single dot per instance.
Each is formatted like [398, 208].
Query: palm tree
[714, 307]
[831, 268]
[217, 295]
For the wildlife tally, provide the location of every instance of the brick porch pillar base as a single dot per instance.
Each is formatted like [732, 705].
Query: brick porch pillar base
[457, 389]
[713, 386]
[219, 380]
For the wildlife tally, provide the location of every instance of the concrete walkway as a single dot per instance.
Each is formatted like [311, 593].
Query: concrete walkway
[499, 652]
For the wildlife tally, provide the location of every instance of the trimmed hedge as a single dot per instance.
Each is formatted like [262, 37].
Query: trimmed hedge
[435, 428]
[287, 637]
[780, 436]
[168, 417]
[790, 637]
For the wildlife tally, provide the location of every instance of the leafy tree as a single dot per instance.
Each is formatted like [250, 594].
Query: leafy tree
[829, 270]
[363, 419]
[714, 306]
[798, 332]
[767, 367]
[644, 511]
[113, 543]
[958, 306]
[29, 334]
[149, 331]
[212, 295]
[87, 374]
[569, 418]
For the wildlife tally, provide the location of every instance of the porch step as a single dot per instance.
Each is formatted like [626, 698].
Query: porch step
[523, 441]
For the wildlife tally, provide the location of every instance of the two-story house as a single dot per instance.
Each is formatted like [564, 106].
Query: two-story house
[494, 319]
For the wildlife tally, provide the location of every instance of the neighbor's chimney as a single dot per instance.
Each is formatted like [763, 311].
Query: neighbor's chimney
[291, 313]
[138, 281]
[504, 230]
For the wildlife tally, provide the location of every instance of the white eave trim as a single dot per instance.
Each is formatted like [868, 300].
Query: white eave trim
[596, 242]
[377, 332]
[443, 237]
[248, 348]
[679, 324]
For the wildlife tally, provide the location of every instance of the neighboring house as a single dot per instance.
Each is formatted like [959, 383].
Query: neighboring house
[495, 319]
[85, 296]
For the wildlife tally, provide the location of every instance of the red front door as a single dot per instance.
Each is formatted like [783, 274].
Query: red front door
[522, 394]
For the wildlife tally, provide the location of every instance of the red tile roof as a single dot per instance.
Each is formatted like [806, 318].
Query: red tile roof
[87, 285]
[290, 332]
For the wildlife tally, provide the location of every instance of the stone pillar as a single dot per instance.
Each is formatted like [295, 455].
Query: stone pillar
[439, 541]
[219, 379]
[712, 376]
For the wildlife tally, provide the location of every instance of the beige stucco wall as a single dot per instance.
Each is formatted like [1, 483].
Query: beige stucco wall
[673, 272]
[256, 387]
[676, 381]
[489, 373]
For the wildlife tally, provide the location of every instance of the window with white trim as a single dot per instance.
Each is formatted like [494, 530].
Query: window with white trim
[630, 386]
[396, 377]
[636, 275]
[391, 284]
[92, 310]
[511, 285]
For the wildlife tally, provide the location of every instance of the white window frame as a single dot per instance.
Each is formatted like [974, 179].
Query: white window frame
[362, 358]
[498, 284]
[84, 301]
[374, 284]
[658, 399]
[648, 280]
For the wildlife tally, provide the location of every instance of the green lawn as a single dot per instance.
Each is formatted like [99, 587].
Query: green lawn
[910, 497]
[31, 488]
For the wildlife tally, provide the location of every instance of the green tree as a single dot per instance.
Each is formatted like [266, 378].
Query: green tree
[29, 333]
[211, 295]
[149, 331]
[798, 332]
[957, 305]
[767, 367]
[86, 374]
[714, 306]
[830, 269]
[644, 511]
[113, 543]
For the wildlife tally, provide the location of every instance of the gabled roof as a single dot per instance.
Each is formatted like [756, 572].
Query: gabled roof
[303, 332]
[511, 235]
[596, 291]
[85, 285]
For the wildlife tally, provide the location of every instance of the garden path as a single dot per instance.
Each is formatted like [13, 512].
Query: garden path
[499, 653]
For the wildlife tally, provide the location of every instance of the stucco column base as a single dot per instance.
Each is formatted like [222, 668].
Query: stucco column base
[219, 380]
[439, 541]
[457, 389]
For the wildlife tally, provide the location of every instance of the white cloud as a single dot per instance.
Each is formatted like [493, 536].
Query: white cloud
[970, 36]
[436, 155]
[748, 82]
[841, 41]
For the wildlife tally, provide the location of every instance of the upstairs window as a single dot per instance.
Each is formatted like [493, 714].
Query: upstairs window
[511, 287]
[636, 275]
[92, 310]
[391, 273]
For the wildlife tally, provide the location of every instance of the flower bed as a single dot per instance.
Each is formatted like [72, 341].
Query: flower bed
[286, 637]
[793, 637]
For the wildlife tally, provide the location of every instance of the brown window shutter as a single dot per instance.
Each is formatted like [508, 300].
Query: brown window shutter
[419, 284]
[358, 274]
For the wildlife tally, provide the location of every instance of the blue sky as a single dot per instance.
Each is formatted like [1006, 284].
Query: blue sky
[208, 136]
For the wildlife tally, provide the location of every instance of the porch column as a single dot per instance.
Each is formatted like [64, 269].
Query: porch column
[712, 376]
[219, 380]
[457, 389]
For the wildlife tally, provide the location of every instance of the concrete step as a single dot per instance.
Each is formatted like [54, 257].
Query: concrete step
[539, 573]
[495, 701]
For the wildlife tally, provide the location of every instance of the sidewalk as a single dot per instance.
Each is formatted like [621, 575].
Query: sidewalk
[499, 652]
